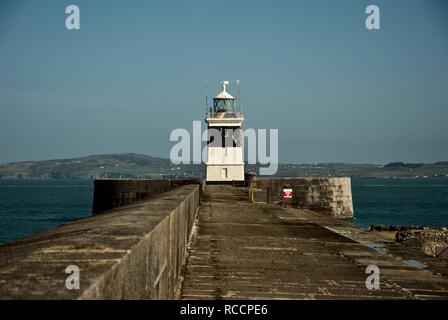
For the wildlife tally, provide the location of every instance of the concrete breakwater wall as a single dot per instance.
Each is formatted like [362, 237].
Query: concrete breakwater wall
[328, 195]
[133, 252]
[113, 193]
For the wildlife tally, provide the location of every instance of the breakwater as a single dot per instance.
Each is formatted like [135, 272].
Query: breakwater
[245, 250]
[133, 252]
[137, 247]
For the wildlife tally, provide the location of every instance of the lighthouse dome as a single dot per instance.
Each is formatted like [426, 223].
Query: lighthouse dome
[224, 95]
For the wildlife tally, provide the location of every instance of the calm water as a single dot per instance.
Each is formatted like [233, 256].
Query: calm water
[27, 207]
[401, 201]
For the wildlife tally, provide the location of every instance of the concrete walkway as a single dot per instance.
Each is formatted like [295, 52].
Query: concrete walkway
[242, 250]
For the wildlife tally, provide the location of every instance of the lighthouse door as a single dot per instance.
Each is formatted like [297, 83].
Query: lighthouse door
[224, 173]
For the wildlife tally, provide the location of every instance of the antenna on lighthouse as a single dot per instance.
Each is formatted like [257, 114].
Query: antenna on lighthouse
[206, 99]
[238, 83]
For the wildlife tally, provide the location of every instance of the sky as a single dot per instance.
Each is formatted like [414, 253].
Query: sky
[136, 70]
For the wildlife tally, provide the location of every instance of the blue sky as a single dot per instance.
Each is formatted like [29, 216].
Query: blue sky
[136, 70]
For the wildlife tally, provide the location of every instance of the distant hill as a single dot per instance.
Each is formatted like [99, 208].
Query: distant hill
[402, 164]
[392, 170]
[132, 165]
[128, 165]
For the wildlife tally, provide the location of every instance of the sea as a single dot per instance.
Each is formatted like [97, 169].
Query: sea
[403, 201]
[31, 206]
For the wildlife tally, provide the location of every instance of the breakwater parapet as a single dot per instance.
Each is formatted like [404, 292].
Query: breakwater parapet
[113, 193]
[133, 252]
[331, 195]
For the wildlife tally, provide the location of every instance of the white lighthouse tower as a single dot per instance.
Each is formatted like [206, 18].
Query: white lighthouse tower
[225, 152]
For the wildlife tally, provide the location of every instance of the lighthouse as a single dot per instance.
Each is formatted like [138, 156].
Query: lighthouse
[224, 147]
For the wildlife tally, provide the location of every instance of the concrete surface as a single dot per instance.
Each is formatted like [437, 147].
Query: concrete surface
[244, 250]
